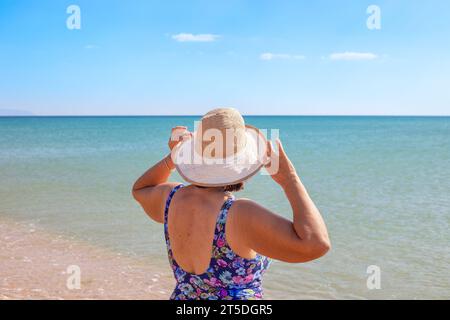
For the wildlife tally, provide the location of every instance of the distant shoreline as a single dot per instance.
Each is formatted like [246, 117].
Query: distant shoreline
[245, 115]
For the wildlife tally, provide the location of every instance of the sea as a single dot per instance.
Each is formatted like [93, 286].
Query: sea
[381, 183]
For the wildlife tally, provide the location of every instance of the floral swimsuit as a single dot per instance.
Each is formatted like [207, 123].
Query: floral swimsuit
[228, 277]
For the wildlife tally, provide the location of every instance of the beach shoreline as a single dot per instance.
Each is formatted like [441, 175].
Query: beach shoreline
[34, 264]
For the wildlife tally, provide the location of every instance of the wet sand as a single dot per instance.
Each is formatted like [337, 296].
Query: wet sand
[34, 265]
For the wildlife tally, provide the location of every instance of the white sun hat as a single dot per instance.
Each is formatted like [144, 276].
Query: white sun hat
[222, 151]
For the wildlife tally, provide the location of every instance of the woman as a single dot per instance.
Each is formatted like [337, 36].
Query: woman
[218, 246]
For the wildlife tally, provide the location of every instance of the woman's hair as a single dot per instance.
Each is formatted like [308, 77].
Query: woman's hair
[234, 187]
[230, 188]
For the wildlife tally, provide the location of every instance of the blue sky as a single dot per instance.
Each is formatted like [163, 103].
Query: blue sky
[262, 57]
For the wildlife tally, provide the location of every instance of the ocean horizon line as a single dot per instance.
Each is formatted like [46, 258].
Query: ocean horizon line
[245, 115]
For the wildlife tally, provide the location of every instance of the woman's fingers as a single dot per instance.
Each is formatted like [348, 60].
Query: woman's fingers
[269, 152]
[281, 151]
[279, 145]
[186, 136]
[269, 148]
[179, 127]
[179, 130]
[179, 133]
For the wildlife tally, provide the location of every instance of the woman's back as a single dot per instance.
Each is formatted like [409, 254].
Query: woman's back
[204, 264]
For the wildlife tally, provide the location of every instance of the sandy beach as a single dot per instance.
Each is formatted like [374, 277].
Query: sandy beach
[34, 262]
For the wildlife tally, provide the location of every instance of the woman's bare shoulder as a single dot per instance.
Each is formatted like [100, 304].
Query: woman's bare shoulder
[248, 209]
[153, 199]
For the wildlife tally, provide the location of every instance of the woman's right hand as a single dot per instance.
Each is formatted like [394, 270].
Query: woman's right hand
[280, 167]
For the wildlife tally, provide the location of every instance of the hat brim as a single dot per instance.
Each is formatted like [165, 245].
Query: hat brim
[232, 170]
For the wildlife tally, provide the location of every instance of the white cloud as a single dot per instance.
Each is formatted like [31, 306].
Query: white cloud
[189, 37]
[353, 56]
[91, 46]
[271, 56]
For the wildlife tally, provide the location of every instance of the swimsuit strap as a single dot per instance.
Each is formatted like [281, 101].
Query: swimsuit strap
[166, 215]
[219, 233]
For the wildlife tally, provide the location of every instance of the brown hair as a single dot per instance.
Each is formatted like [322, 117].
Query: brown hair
[234, 187]
[230, 188]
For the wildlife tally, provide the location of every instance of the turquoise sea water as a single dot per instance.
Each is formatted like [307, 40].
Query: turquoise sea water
[381, 183]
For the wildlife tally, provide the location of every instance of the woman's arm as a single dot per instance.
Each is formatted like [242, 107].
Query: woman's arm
[152, 189]
[157, 174]
[303, 239]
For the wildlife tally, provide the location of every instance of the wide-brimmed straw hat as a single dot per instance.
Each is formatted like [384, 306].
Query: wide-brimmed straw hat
[222, 151]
